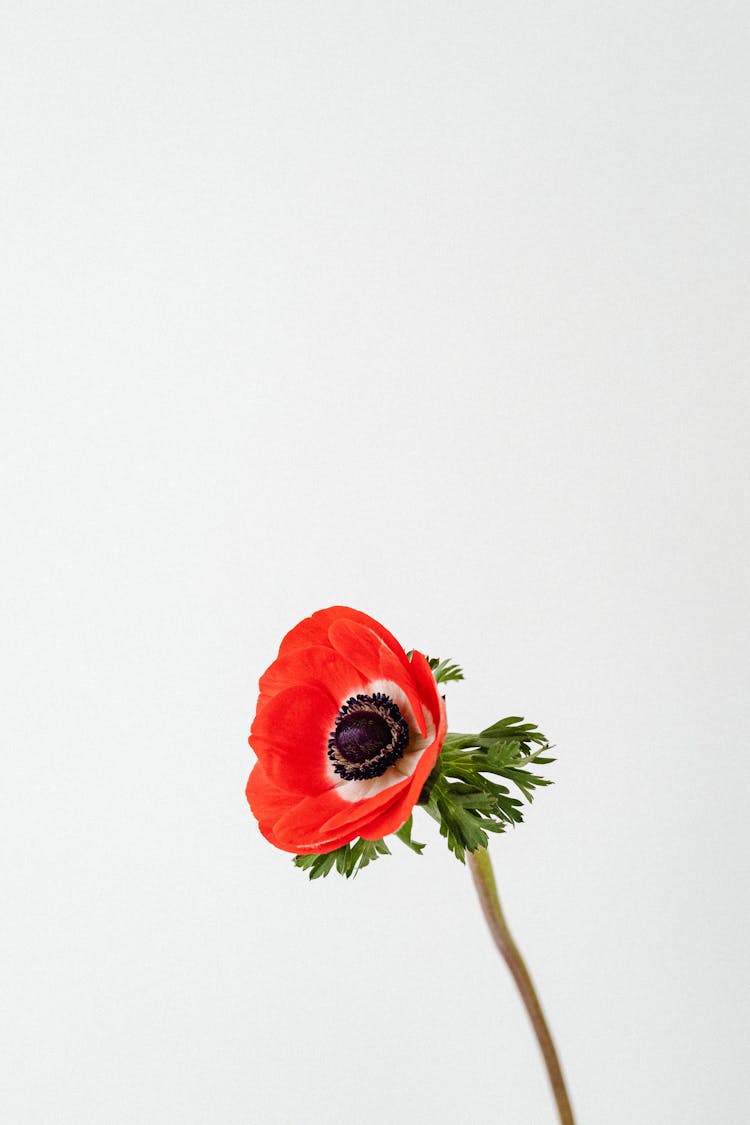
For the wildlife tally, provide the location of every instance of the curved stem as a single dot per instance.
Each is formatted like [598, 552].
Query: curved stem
[484, 879]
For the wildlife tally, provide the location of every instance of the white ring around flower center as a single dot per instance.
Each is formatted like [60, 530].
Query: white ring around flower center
[406, 765]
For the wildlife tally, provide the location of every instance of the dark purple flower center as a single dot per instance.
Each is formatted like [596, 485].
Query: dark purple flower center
[361, 736]
[369, 736]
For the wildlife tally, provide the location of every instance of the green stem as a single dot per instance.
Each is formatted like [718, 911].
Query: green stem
[484, 879]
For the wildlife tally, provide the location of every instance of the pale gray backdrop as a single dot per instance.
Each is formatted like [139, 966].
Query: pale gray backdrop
[439, 310]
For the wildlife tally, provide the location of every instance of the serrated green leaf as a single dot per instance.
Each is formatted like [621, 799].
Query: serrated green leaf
[444, 671]
[347, 860]
[465, 792]
[404, 834]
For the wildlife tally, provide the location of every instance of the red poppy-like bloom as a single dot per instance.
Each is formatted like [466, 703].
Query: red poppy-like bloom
[347, 730]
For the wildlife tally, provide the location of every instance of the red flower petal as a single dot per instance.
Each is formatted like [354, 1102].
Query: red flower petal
[351, 814]
[368, 652]
[314, 630]
[320, 665]
[270, 802]
[267, 800]
[426, 686]
[303, 826]
[290, 736]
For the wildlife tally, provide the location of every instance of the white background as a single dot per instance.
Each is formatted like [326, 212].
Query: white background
[439, 310]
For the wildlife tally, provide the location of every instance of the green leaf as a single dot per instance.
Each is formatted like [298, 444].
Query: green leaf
[404, 834]
[514, 728]
[466, 794]
[348, 860]
[443, 670]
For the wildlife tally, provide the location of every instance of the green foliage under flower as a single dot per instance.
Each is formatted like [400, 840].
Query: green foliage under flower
[353, 857]
[463, 793]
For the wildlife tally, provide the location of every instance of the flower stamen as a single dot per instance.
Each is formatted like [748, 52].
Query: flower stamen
[370, 735]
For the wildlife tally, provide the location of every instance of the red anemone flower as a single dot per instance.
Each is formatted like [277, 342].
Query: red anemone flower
[347, 730]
